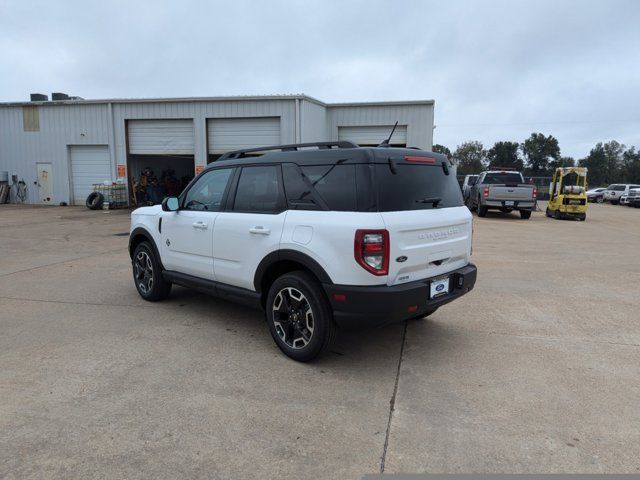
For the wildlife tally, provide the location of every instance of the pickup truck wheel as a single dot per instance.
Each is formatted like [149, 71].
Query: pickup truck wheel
[147, 274]
[482, 211]
[525, 214]
[299, 316]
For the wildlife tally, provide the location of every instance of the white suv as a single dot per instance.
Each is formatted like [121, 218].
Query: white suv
[318, 235]
[615, 192]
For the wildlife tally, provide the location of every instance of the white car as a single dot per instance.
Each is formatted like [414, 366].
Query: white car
[336, 235]
[629, 197]
[596, 195]
[614, 192]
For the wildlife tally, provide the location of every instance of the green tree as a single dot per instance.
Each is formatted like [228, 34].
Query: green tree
[470, 157]
[539, 150]
[562, 162]
[505, 155]
[631, 166]
[437, 148]
[595, 163]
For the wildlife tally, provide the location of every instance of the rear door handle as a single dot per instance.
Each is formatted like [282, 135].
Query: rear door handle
[200, 225]
[258, 230]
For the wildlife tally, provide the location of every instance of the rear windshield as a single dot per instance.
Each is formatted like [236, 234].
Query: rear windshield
[415, 187]
[500, 178]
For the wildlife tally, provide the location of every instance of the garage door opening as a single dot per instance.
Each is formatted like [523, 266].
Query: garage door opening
[372, 136]
[228, 134]
[160, 159]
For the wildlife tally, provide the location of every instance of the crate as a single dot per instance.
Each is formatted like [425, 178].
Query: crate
[115, 194]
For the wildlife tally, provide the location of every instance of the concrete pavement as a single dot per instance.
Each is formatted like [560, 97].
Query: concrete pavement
[537, 370]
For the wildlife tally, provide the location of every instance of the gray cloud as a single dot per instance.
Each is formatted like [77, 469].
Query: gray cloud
[497, 70]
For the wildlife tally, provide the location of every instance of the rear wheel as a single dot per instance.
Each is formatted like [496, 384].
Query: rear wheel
[147, 274]
[482, 210]
[599, 199]
[548, 212]
[299, 316]
[556, 214]
[525, 214]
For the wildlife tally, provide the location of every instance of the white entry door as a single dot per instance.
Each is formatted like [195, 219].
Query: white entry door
[45, 183]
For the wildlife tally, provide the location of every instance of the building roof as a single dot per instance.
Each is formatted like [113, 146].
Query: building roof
[234, 98]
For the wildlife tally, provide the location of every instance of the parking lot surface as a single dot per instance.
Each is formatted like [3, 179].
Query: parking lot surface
[536, 370]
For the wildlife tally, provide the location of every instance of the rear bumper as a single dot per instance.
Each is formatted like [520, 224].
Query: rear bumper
[517, 204]
[378, 305]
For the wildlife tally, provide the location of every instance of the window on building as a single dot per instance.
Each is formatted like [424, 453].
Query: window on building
[30, 118]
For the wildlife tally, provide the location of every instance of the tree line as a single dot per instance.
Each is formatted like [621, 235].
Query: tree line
[539, 155]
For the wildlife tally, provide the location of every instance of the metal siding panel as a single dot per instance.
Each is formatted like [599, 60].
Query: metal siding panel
[373, 135]
[149, 137]
[229, 134]
[90, 164]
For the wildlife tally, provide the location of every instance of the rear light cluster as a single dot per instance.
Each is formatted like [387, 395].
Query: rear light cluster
[371, 250]
[485, 192]
[534, 194]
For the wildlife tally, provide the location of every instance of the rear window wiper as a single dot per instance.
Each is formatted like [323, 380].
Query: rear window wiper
[434, 201]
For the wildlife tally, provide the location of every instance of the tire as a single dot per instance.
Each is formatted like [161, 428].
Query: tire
[583, 218]
[614, 202]
[482, 211]
[525, 214]
[599, 200]
[147, 274]
[422, 316]
[556, 214]
[548, 212]
[299, 316]
[469, 203]
[95, 201]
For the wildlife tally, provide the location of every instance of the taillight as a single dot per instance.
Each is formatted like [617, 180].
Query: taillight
[371, 250]
[534, 194]
[485, 192]
[411, 158]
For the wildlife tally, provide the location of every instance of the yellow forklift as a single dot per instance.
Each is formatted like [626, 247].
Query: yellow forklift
[568, 193]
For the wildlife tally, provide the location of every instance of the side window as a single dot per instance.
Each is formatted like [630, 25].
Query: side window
[259, 190]
[208, 191]
[336, 184]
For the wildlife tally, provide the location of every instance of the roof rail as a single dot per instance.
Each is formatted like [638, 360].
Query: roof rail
[288, 148]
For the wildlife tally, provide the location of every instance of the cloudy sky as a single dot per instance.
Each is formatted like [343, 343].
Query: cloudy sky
[497, 70]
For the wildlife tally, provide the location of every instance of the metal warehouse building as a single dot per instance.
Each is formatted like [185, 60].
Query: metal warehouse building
[60, 149]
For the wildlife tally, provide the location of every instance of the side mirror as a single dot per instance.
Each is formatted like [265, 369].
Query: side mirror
[170, 204]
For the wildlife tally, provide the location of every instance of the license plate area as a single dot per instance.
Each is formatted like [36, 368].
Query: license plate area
[508, 203]
[438, 287]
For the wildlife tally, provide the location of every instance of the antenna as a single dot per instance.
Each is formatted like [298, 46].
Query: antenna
[385, 142]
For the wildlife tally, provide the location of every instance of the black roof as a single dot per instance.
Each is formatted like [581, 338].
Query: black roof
[324, 154]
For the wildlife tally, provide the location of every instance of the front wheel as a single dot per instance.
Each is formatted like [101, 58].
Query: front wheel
[147, 274]
[299, 316]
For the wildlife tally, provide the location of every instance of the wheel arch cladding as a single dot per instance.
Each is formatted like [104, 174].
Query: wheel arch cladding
[140, 235]
[283, 261]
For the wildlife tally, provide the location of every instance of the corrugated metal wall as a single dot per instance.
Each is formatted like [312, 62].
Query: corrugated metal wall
[60, 125]
[418, 118]
[313, 122]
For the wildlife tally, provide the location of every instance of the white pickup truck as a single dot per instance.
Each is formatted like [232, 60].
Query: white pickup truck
[502, 190]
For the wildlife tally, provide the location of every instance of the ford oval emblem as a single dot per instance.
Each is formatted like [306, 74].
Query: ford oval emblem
[401, 259]
[439, 288]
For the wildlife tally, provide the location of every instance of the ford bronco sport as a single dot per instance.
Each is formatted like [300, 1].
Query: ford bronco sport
[320, 236]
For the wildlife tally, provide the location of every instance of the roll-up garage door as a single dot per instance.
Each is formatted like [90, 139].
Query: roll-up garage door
[227, 134]
[161, 137]
[90, 164]
[374, 135]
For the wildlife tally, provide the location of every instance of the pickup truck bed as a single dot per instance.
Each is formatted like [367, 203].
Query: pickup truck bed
[506, 197]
